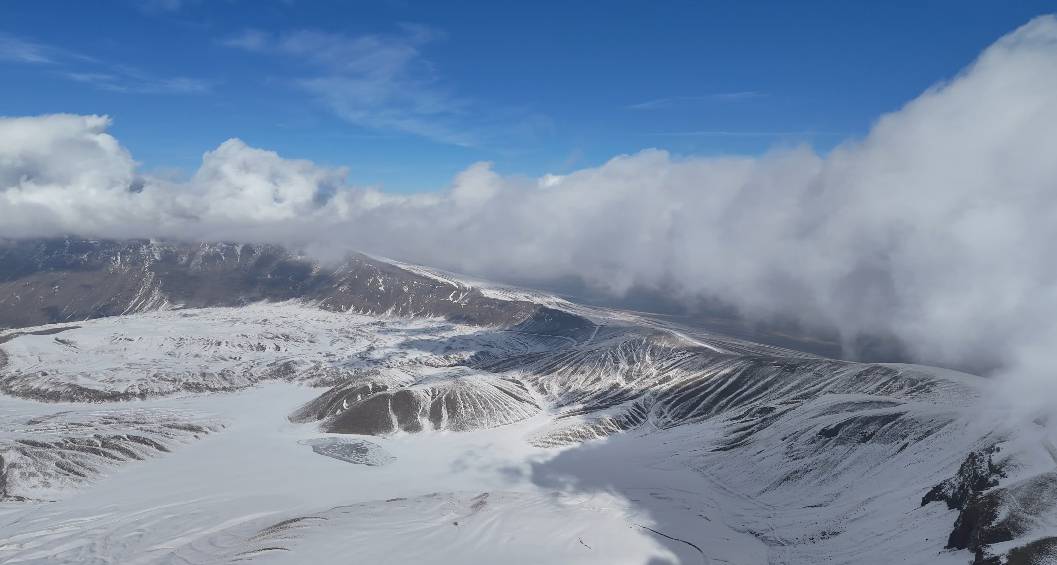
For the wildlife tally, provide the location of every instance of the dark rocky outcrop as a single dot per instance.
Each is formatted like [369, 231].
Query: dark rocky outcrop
[975, 475]
[1004, 514]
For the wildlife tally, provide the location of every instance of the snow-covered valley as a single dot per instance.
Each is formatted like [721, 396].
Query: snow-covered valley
[293, 431]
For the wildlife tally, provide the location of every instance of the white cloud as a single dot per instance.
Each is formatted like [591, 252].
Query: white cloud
[239, 182]
[936, 228]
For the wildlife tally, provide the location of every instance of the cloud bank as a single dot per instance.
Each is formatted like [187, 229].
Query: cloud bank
[936, 228]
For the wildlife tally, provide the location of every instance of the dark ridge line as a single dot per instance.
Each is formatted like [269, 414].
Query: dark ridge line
[704, 558]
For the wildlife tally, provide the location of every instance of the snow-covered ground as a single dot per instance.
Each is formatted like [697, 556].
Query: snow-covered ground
[201, 436]
[158, 353]
[445, 497]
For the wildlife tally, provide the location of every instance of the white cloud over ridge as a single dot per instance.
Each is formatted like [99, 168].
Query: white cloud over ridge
[936, 228]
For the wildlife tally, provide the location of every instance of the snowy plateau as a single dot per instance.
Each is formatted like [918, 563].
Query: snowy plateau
[225, 403]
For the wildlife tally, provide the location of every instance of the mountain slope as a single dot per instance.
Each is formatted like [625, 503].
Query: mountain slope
[495, 419]
[61, 280]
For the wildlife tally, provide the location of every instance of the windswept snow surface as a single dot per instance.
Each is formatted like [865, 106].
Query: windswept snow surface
[445, 497]
[215, 349]
[285, 433]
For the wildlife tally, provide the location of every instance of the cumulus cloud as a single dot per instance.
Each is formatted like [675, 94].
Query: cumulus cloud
[936, 228]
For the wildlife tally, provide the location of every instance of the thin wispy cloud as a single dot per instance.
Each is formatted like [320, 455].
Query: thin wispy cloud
[250, 40]
[17, 50]
[736, 133]
[382, 82]
[134, 82]
[89, 70]
[162, 6]
[672, 101]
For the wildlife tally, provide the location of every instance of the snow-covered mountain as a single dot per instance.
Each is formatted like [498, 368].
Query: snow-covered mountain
[58, 280]
[215, 403]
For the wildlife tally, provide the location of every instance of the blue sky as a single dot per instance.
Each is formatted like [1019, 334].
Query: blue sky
[406, 94]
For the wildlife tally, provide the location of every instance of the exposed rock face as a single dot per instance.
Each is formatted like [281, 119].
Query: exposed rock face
[457, 401]
[1004, 514]
[990, 513]
[977, 474]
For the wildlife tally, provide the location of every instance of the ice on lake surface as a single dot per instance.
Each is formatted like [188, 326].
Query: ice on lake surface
[358, 451]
